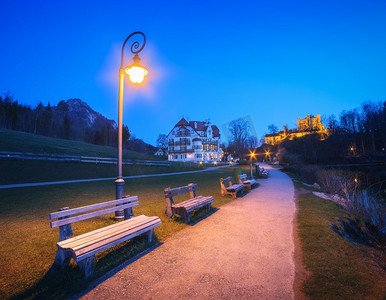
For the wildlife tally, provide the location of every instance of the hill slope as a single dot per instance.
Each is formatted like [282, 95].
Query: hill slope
[16, 141]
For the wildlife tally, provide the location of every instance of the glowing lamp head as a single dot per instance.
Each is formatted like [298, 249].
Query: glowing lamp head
[135, 71]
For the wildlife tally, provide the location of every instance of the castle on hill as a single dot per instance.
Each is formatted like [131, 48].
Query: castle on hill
[308, 125]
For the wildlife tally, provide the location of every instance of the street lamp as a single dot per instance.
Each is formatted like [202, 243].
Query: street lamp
[252, 155]
[136, 74]
[267, 154]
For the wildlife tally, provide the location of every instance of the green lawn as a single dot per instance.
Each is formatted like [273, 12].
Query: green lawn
[16, 141]
[19, 171]
[27, 243]
[338, 269]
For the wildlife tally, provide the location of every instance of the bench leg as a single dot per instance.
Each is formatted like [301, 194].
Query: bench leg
[187, 217]
[61, 259]
[87, 265]
[149, 236]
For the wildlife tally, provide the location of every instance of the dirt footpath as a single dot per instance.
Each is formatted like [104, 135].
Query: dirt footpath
[243, 251]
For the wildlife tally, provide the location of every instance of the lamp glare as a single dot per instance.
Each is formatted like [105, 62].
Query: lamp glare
[136, 74]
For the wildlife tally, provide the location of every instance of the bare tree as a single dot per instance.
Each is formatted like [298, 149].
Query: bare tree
[162, 141]
[252, 142]
[272, 128]
[239, 130]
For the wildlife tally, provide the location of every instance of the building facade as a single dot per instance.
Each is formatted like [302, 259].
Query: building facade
[308, 125]
[194, 141]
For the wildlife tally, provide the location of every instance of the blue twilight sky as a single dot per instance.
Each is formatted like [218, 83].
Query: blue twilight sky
[271, 60]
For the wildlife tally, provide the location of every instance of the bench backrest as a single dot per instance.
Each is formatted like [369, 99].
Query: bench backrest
[226, 181]
[67, 216]
[243, 177]
[172, 192]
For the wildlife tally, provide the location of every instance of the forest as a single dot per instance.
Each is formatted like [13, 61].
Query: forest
[72, 119]
[357, 135]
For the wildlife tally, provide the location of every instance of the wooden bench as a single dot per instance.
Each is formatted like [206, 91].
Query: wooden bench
[263, 173]
[247, 182]
[184, 208]
[83, 248]
[227, 187]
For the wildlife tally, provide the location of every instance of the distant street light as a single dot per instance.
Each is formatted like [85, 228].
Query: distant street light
[352, 149]
[268, 154]
[136, 74]
[252, 155]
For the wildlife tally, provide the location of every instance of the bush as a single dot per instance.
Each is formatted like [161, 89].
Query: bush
[307, 172]
[286, 157]
[367, 210]
[366, 219]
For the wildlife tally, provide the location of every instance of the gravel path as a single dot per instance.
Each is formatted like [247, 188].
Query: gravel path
[243, 251]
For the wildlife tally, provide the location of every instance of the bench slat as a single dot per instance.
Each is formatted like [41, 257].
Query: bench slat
[235, 187]
[89, 238]
[78, 210]
[116, 242]
[187, 201]
[91, 215]
[180, 190]
[101, 238]
[88, 235]
[198, 205]
[188, 204]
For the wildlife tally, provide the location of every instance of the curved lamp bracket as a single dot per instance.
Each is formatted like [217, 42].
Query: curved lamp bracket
[135, 47]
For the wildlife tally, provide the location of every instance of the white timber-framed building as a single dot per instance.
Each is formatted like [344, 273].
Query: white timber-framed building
[194, 141]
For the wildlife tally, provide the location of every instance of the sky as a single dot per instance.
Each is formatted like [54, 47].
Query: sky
[269, 61]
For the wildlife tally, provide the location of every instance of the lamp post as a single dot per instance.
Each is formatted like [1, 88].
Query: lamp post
[267, 154]
[136, 74]
[252, 154]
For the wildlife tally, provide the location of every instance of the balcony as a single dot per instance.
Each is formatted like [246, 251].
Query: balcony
[209, 142]
[181, 143]
[187, 150]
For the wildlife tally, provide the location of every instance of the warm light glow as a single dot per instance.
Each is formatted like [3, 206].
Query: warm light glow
[267, 153]
[136, 73]
[356, 180]
[352, 148]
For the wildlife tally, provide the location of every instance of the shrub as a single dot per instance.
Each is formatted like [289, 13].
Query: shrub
[366, 219]
[308, 172]
[367, 211]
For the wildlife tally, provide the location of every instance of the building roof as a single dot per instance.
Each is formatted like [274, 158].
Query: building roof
[182, 122]
[200, 125]
[216, 131]
[197, 126]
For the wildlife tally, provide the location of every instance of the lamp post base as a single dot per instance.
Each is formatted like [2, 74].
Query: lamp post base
[119, 191]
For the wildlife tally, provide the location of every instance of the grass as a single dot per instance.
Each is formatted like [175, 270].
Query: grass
[19, 171]
[16, 141]
[28, 244]
[338, 268]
